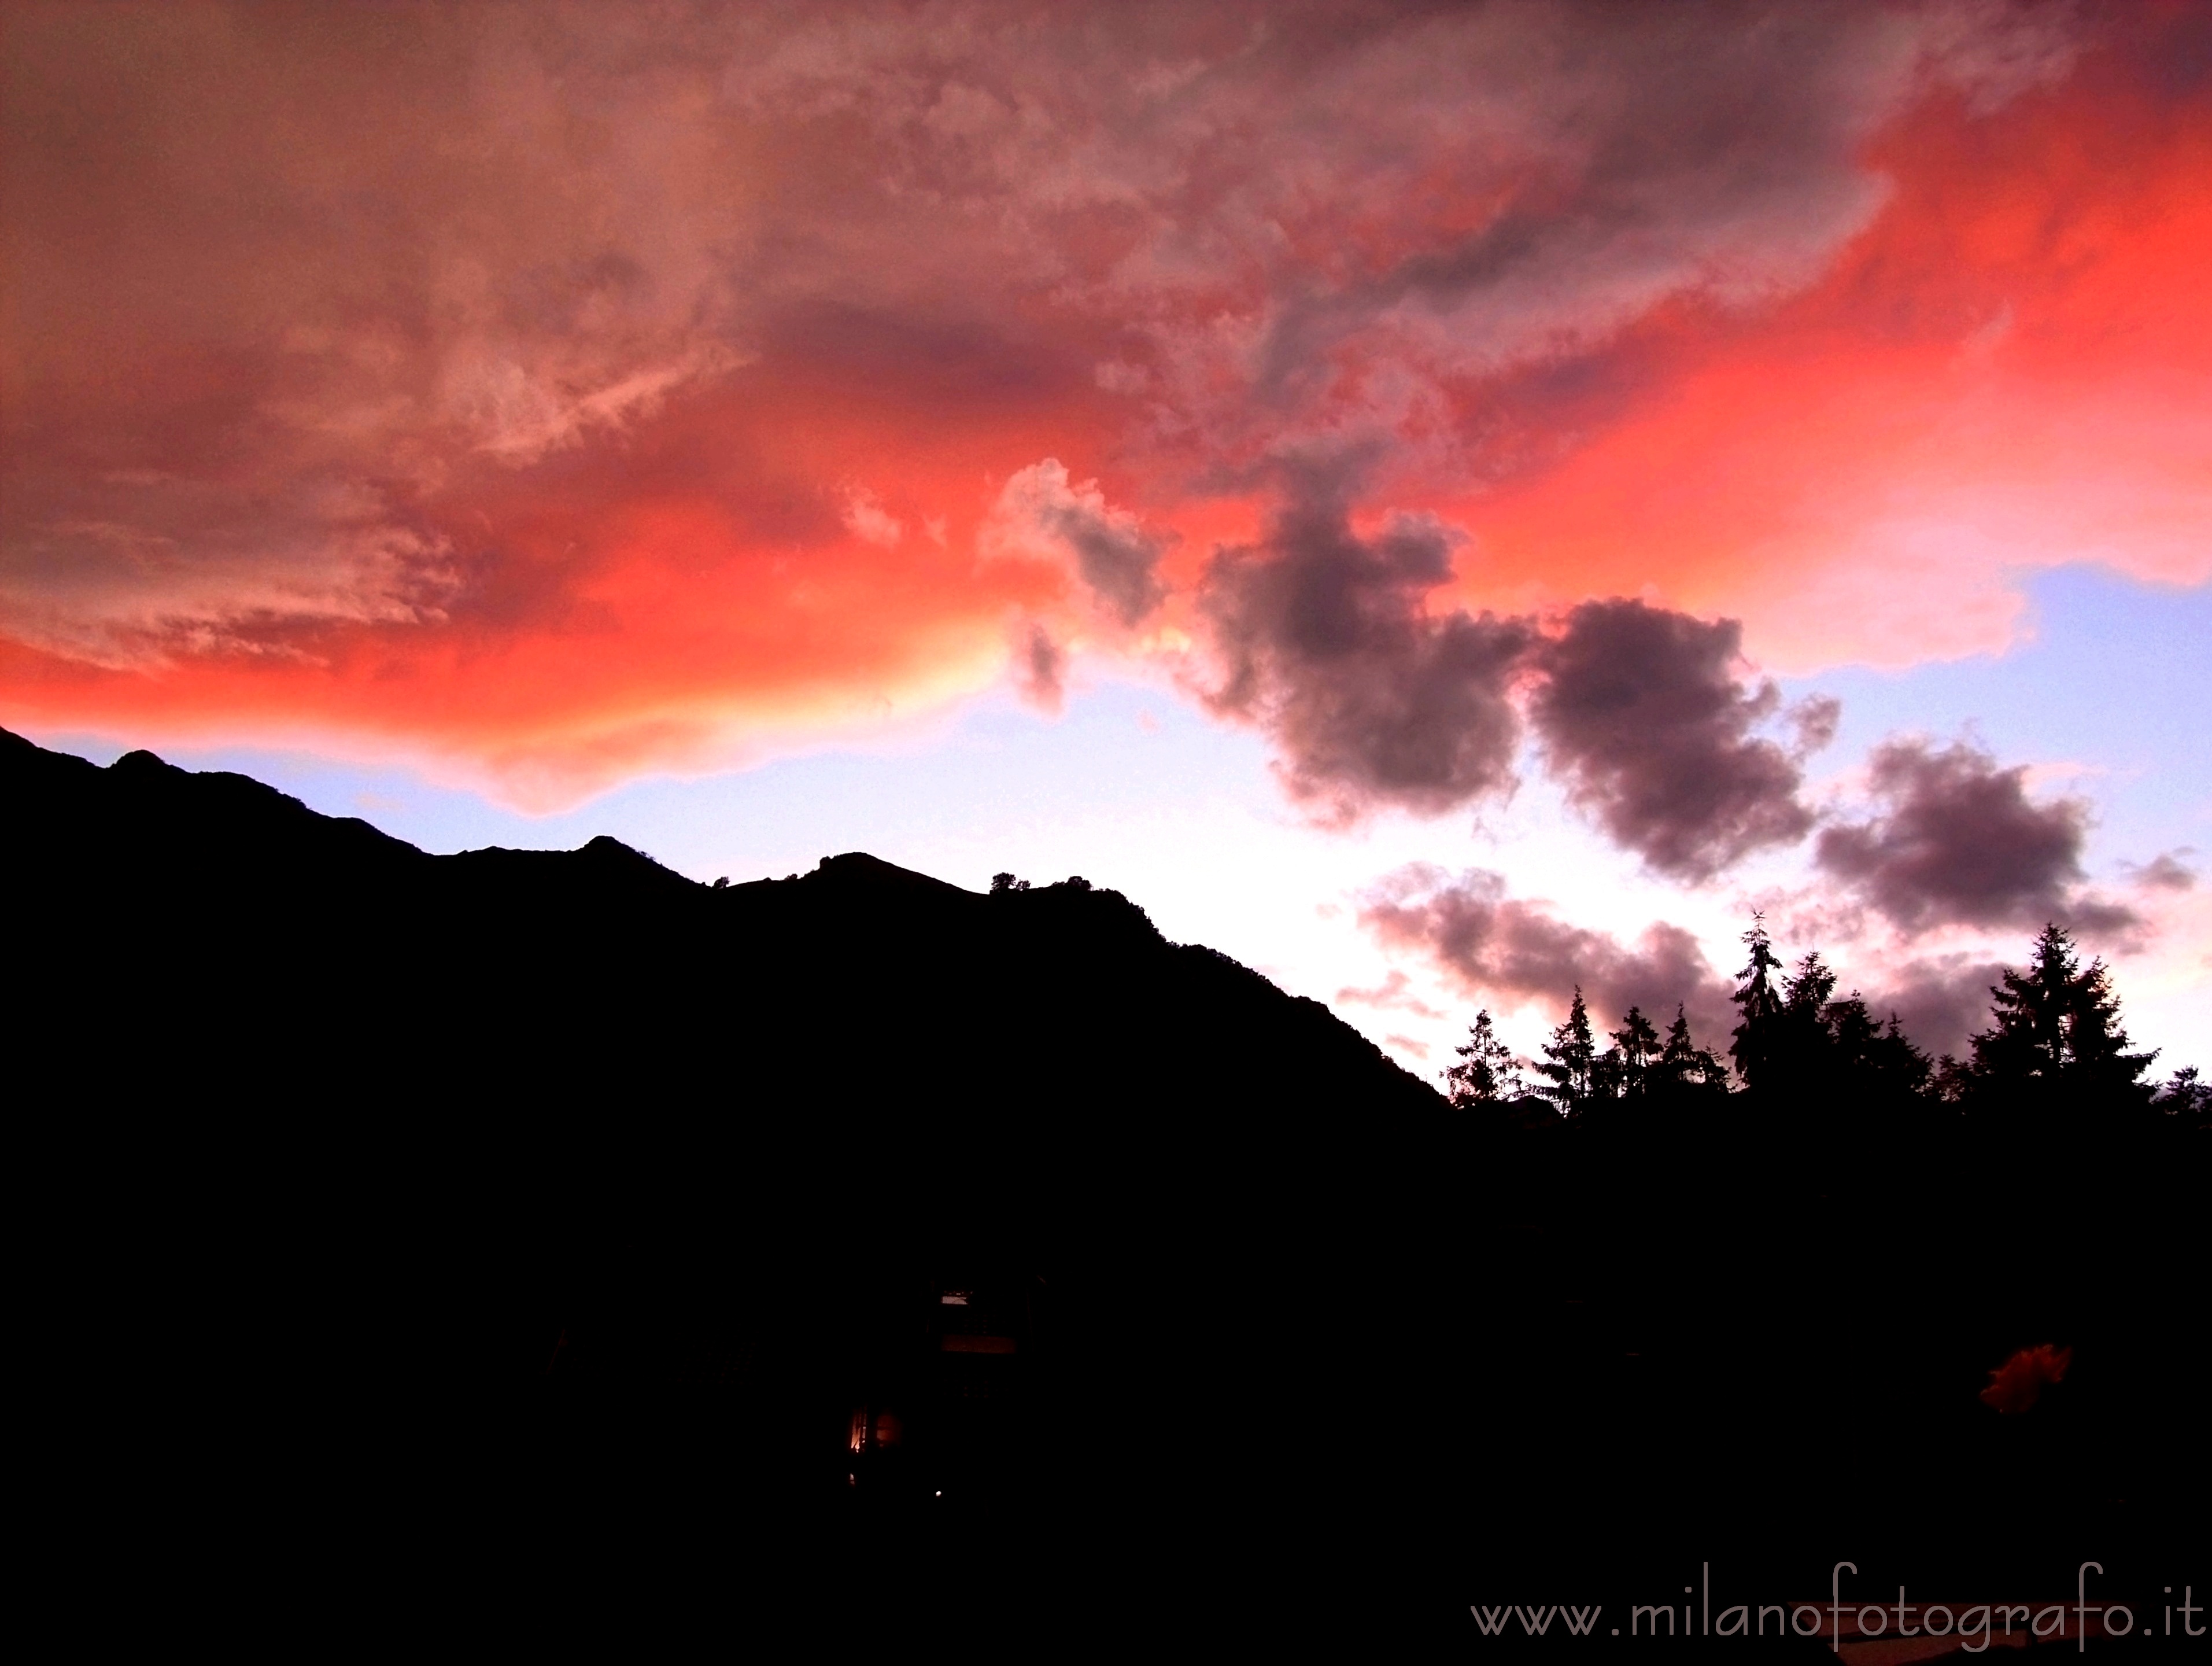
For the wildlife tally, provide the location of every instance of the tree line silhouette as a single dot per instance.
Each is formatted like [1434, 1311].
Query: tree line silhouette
[2055, 1042]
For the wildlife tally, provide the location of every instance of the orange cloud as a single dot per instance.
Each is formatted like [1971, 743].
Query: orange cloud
[556, 395]
[1999, 374]
[635, 607]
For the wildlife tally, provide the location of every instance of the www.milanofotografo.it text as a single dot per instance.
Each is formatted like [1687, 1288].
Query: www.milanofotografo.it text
[1841, 1619]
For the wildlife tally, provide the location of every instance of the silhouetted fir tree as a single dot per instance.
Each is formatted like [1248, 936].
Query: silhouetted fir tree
[1851, 1028]
[1758, 997]
[2096, 1044]
[1488, 1073]
[1569, 1057]
[2056, 1030]
[1803, 1056]
[1684, 1066]
[1623, 1070]
[1870, 1057]
[1806, 992]
[2187, 1098]
[2057, 1038]
[1953, 1081]
[1796, 1040]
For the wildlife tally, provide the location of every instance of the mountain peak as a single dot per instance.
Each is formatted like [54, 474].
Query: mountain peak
[857, 870]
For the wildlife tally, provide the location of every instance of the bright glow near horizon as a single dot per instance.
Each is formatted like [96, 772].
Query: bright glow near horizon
[1002, 436]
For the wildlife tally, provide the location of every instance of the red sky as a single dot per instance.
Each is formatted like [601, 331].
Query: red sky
[569, 392]
[542, 398]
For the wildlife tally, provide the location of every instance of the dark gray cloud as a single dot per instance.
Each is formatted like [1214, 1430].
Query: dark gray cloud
[1040, 666]
[1492, 942]
[1958, 841]
[1372, 700]
[1640, 715]
[1815, 719]
[1376, 700]
[1684, 126]
[1117, 563]
[2164, 872]
[1941, 1001]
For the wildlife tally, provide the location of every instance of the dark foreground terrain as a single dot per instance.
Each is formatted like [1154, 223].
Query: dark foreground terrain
[551, 1242]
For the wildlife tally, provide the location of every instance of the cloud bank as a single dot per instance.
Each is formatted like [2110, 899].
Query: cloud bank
[1515, 951]
[360, 366]
[1957, 840]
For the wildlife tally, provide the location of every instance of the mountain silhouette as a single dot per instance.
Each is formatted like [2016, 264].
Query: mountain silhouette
[549, 1211]
[681, 1172]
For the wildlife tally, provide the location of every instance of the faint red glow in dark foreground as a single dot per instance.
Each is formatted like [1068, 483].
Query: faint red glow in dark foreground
[2015, 1385]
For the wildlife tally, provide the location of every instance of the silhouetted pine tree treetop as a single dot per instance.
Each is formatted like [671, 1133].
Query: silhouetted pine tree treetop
[1637, 1066]
[1874, 1057]
[1803, 1035]
[1488, 1073]
[1684, 1066]
[1758, 998]
[2187, 1098]
[1569, 1057]
[2056, 1041]
[1623, 1069]
[1640, 1068]
[2056, 1021]
[2056, 1029]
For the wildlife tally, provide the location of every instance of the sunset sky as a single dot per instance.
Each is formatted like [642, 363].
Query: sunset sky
[1440, 503]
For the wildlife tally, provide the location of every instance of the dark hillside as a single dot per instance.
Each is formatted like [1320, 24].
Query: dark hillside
[551, 1210]
[572, 1136]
